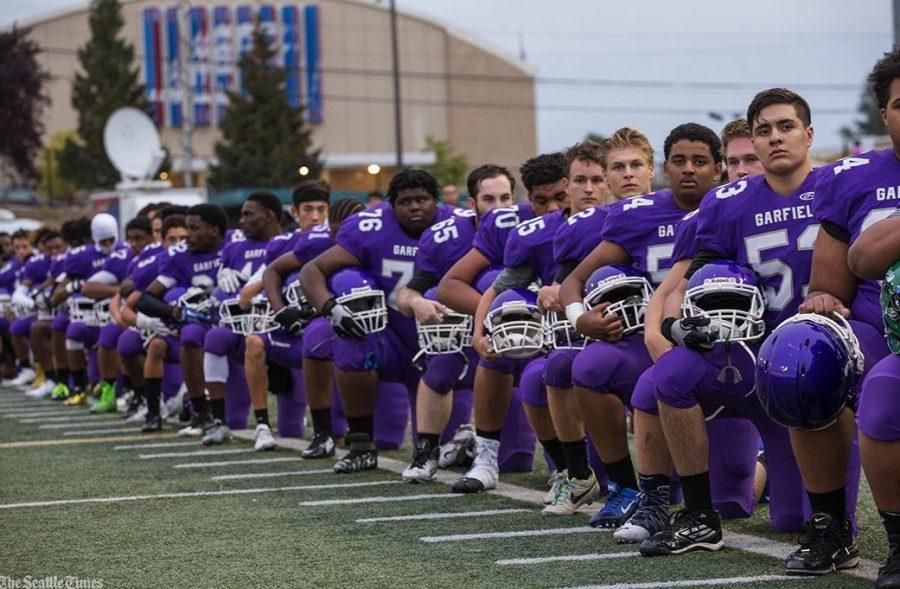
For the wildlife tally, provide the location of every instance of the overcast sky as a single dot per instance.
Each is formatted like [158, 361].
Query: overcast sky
[586, 52]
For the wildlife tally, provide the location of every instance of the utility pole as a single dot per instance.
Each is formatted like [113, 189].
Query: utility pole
[187, 93]
[398, 113]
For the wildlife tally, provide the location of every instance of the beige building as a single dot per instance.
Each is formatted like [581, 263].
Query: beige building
[453, 88]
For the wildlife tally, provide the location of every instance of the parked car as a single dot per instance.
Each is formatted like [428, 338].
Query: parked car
[18, 195]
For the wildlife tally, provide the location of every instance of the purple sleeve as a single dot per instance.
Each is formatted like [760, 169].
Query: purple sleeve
[714, 223]
[172, 268]
[117, 264]
[357, 229]
[579, 235]
[686, 238]
[78, 264]
[490, 239]
[311, 245]
[442, 244]
[831, 202]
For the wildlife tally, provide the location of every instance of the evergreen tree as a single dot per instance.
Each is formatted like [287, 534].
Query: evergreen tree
[264, 140]
[21, 101]
[871, 123]
[108, 81]
[448, 167]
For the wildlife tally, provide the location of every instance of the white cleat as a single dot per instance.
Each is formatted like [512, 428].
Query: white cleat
[194, 429]
[577, 492]
[139, 415]
[215, 433]
[555, 481]
[424, 464]
[485, 472]
[123, 401]
[263, 438]
[41, 391]
[25, 376]
[460, 451]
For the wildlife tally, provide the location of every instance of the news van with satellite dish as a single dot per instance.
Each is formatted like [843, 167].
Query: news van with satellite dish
[133, 146]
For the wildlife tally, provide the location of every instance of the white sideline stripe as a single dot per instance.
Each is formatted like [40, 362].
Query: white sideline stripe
[450, 515]
[267, 475]
[190, 494]
[109, 416]
[390, 499]
[76, 422]
[156, 445]
[237, 462]
[44, 413]
[515, 534]
[197, 453]
[697, 582]
[91, 432]
[566, 558]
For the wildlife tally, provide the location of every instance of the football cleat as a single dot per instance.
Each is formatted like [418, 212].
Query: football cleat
[362, 455]
[215, 433]
[424, 464]
[134, 405]
[43, 391]
[322, 446]
[174, 404]
[652, 516]
[124, 400]
[263, 438]
[26, 375]
[194, 428]
[78, 397]
[826, 545]
[139, 414]
[152, 423]
[577, 492]
[60, 392]
[107, 401]
[485, 472]
[687, 531]
[459, 451]
[620, 505]
[556, 480]
[889, 574]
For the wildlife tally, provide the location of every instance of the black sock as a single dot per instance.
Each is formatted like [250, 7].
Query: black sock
[891, 522]
[201, 406]
[833, 503]
[79, 379]
[321, 419]
[140, 392]
[652, 482]
[63, 375]
[576, 459]
[360, 425]
[217, 406]
[697, 496]
[489, 434]
[53, 375]
[24, 363]
[262, 416]
[432, 439]
[153, 395]
[621, 473]
[127, 383]
[554, 448]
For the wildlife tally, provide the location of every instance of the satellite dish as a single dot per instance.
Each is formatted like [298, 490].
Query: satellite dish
[132, 144]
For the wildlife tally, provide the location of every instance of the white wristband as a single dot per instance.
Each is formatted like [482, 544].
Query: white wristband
[574, 311]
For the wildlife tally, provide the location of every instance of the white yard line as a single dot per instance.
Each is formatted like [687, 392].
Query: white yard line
[566, 558]
[269, 475]
[44, 413]
[391, 499]
[514, 534]
[122, 499]
[197, 453]
[91, 432]
[447, 515]
[55, 419]
[697, 582]
[157, 445]
[86, 421]
[238, 462]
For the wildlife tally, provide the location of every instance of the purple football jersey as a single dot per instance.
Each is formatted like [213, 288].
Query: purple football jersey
[280, 245]
[82, 262]
[442, 244]
[855, 193]
[312, 242]
[532, 244]
[494, 228]
[579, 235]
[243, 254]
[644, 226]
[686, 238]
[184, 268]
[37, 269]
[8, 275]
[747, 222]
[145, 266]
[115, 268]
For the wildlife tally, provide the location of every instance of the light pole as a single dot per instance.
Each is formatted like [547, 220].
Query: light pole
[398, 120]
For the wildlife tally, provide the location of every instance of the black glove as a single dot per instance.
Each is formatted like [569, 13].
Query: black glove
[291, 319]
[341, 320]
[695, 333]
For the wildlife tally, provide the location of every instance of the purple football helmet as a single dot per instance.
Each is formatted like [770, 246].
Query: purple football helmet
[360, 293]
[447, 337]
[729, 294]
[515, 324]
[807, 369]
[623, 286]
[486, 278]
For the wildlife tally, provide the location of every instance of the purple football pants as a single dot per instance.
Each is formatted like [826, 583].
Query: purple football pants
[877, 415]
[451, 372]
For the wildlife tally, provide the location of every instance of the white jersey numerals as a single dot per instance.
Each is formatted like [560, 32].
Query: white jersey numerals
[528, 227]
[445, 231]
[582, 215]
[656, 253]
[875, 216]
[370, 220]
[636, 202]
[402, 267]
[506, 217]
[731, 189]
[757, 244]
[849, 163]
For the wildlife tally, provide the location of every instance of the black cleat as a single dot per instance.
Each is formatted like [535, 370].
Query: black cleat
[322, 446]
[688, 531]
[153, 423]
[362, 455]
[889, 574]
[826, 545]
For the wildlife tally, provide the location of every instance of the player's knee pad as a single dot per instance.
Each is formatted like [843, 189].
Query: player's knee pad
[558, 370]
[318, 339]
[876, 413]
[192, 335]
[531, 383]
[643, 398]
[594, 365]
[671, 386]
[444, 371]
[219, 341]
[130, 344]
[215, 367]
[74, 345]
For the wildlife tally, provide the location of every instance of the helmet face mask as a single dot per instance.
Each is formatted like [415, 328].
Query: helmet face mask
[257, 319]
[515, 324]
[196, 298]
[81, 310]
[101, 312]
[561, 334]
[890, 307]
[356, 290]
[451, 335]
[627, 291]
[728, 294]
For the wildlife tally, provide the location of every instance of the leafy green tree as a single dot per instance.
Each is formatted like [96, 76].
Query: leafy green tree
[595, 137]
[107, 81]
[448, 167]
[870, 122]
[52, 184]
[264, 140]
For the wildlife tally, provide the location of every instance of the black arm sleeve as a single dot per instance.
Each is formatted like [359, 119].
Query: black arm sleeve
[153, 307]
[704, 256]
[564, 269]
[422, 281]
[836, 231]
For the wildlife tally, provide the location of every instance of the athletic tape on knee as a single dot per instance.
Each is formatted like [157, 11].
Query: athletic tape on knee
[73, 346]
[215, 368]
